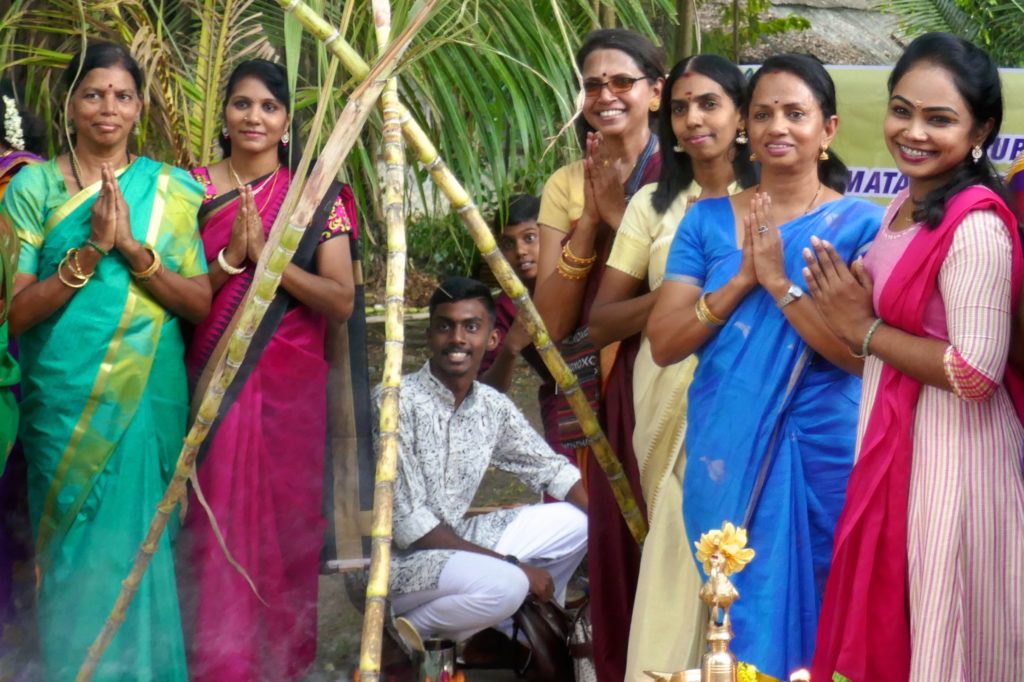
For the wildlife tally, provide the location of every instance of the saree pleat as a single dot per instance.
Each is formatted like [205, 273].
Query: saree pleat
[770, 431]
[105, 402]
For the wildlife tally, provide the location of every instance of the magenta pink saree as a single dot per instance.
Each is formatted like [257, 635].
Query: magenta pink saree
[262, 472]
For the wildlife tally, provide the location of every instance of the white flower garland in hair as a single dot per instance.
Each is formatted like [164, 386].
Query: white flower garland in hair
[12, 124]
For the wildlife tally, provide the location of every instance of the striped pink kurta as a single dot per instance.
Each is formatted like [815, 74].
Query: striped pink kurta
[965, 539]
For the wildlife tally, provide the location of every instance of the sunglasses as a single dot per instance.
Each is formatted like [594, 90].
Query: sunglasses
[617, 85]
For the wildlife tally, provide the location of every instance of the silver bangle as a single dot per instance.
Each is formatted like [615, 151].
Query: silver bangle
[226, 266]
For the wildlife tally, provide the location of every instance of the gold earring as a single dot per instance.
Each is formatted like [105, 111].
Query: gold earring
[753, 156]
[655, 105]
[741, 136]
[823, 156]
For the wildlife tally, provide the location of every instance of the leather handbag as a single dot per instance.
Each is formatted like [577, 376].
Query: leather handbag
[546, 626]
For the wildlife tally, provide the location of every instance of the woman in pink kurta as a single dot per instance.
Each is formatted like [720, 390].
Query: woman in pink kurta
[262, 468]
[927, 580]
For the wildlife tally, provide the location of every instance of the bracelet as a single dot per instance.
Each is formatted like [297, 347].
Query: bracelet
[572, 272]
[571, 258]
[96, 247]
[60, 275]
[865, 347]
[226, 266]
[148, 273]
[73, 265]
[704, 314]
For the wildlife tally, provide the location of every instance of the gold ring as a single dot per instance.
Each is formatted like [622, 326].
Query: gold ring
[606, 163]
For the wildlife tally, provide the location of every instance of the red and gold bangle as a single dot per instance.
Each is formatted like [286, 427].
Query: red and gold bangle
[572, 259]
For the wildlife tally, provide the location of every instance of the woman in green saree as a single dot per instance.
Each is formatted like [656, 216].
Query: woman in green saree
[110, 260]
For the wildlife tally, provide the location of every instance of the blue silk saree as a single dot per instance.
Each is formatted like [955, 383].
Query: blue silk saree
[771, 431]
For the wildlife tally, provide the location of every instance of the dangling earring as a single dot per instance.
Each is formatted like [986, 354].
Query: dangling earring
[224, 131]
[741, 136]
[678, 148]
[655, 105]
[285, 139]
[976, 153]
[823, 156]
[753, 156]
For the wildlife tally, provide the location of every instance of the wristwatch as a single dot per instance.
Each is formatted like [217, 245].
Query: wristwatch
[794, 292]
[512, 559]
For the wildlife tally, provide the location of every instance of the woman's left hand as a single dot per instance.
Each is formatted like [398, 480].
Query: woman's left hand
[257, 239]
[606, 181]
[124, 240]
[769, 263]
[842, 294]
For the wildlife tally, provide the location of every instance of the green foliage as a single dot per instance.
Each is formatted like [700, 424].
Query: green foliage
[995, 25]
[440, 245]
[752, 24]
[491, 79]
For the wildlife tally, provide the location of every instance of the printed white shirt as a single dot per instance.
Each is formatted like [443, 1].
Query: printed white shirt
[444, 453]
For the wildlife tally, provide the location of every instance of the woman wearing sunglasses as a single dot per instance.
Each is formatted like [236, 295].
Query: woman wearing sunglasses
[581, 208]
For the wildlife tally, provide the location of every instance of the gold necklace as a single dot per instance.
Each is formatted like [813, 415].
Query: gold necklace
[256, 190]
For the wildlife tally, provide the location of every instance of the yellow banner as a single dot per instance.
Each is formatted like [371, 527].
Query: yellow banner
[863, 98]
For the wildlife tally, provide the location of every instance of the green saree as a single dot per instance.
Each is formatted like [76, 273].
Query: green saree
[9, 373]
[104, 408]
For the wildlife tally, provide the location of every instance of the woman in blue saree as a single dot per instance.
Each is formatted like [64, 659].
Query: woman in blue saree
[773, 405]
[110, 260]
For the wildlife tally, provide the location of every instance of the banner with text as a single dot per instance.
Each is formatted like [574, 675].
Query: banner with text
[863, 100]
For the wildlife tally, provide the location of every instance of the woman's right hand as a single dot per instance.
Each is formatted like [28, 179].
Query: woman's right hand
[238, 247]
[104, 215]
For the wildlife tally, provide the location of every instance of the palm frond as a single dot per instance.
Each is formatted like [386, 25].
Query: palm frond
[922, 16]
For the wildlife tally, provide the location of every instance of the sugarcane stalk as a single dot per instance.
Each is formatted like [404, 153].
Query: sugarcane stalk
[460, 200]
[281, 246]
[394, 338]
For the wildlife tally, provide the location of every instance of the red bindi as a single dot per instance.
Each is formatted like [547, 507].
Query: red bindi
[687, 93]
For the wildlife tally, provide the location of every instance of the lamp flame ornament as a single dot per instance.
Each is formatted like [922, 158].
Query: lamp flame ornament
[723, 552]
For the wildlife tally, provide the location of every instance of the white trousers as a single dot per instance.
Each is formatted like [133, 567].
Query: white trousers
[476, 591]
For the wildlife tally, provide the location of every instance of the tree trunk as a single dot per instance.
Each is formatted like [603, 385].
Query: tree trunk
[686, 13]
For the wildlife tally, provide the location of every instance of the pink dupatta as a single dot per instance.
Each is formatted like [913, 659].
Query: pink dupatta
[864, 630]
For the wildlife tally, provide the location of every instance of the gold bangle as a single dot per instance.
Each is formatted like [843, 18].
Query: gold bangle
[75, 266]
[60, 275]
[705, 315]
[572, 259]
[570, 269]
[146, 274]
[575, 269]
[571, 273]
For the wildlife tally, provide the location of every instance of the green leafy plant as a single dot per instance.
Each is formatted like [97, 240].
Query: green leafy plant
[492, 79]
[996, 25]
[751, 24]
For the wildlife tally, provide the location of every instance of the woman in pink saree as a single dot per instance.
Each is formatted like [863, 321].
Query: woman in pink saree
[262, 471]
